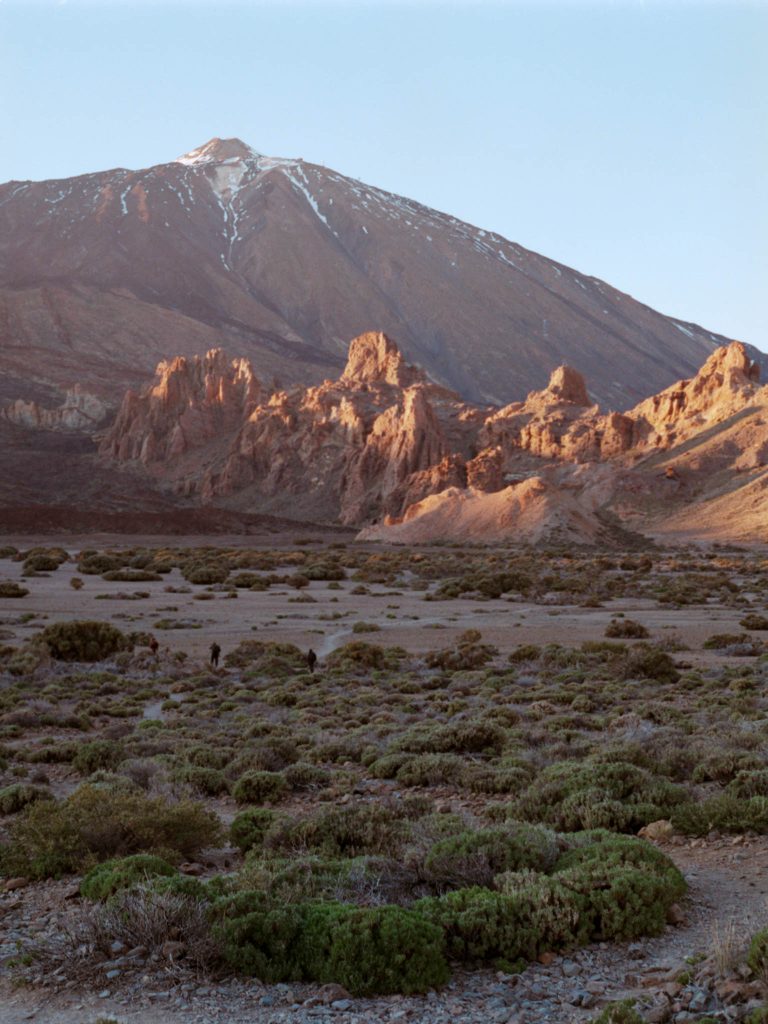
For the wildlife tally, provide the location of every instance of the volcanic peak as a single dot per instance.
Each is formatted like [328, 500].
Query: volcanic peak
[217, 151]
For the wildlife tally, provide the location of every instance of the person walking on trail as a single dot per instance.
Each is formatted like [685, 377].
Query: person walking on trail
[215, 652]
[154, 646]
[311, 660]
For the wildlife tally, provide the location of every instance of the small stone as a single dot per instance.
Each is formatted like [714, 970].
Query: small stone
[658, 1014]
[104, 994]
[341, 1004]
[116, 947]
[331, 993]
[15, 883]
[547, 958]
[111, 975]
[675, 915]
[191, 869]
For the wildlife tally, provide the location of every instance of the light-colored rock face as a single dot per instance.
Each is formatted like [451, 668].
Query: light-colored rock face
[79, 411]
[375, 359]
[384, 448]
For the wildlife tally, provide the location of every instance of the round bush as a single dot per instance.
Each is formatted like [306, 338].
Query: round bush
[109, 877]
[83, 640]
[260, 787]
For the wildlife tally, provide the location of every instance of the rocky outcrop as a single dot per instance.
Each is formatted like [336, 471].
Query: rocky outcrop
[385, 448]
[79, 411]
[724, 386]
[191, 402]
[345, 450]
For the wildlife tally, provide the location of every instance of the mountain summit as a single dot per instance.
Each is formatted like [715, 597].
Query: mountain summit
[217, 151]
[281, 261]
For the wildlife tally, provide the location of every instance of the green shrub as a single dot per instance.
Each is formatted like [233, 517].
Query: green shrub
[475, 858]
[302, 775]
[256, 787]
[131, 576]
[574, 795]
[42, 563]
[96, 823]
[208, 781]
[725, 813]
[97, 754]
[468, 653]
[16, 797]
[202, 575]
[757, 956]
[431, 770]
[94, 564]
[83, 640]
[107, 878]
[350, 831]
[368, 951]
[643, 661]
[719, 641]
[249, 827]
[10, 589]
[384, 950]
[747, 784]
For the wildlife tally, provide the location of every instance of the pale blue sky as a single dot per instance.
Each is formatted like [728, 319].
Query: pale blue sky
[629, 140]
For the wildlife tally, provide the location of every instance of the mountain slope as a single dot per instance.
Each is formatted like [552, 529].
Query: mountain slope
[282, 261]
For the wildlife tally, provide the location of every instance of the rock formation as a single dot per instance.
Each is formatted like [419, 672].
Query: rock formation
[385, 448]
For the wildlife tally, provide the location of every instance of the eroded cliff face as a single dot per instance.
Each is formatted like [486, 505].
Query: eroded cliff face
[346, 450]
[385, 447]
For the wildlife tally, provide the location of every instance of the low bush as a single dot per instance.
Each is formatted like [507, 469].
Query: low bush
[370, 951]
[575, 795]
[757, 955]
[475, 858]
[626, 629]
[249, 828]
[96, 823]
[109, 877]
[83, 640]
[723, 812]
[97, 754]
[256, 787]
[10, 589]
[16, 797]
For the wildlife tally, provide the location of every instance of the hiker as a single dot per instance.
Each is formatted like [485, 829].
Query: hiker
[311, 660]
[154, 646]
[215, 652]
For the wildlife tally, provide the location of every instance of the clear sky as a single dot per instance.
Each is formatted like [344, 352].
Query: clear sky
[626, 139]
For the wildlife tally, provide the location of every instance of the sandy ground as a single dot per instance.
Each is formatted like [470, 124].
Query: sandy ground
[404, 618]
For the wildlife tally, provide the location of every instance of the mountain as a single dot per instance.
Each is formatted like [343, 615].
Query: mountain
[385, 449]
[282, 261]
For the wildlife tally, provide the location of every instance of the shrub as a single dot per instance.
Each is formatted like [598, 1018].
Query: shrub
[95, 823]
[306, 776]
[16, 797]
[109, 877]
[257, 787]
[131, 576]
[249, 828]
[724, 812]
[468, 653]
[747, 784]
[719, 641]
[475, 858]
[573, 795]
[368, 951]
[93, 564]
[208, 781]
[626, 629]
[83, 640]
[204, 574]
[10, 589]
[97, 754]
[349, 831]
[384, 950]
[754, 621]
[643, 661]
[757, 955]
[42, 563]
